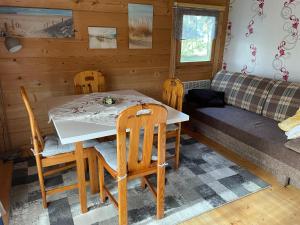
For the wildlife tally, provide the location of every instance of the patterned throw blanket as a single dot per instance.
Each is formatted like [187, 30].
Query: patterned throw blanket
[90, 108]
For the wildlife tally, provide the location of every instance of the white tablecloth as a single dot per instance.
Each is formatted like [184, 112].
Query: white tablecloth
[90, 108]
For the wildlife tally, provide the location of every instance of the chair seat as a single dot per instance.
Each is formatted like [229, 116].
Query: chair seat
[108, 150]
[170, 127]
[53, 146]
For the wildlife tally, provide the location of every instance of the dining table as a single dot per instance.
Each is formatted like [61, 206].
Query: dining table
[76, 120]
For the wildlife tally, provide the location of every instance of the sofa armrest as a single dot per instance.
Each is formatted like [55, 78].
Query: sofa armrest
[196, 84]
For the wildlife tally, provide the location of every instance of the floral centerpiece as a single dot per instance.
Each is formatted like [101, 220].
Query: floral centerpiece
[108, 100]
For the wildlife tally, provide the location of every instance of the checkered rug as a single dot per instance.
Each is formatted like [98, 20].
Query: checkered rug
[204, 181]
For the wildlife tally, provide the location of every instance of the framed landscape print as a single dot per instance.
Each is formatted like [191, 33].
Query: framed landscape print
[36, 22]
[140, 26]
[102, 37]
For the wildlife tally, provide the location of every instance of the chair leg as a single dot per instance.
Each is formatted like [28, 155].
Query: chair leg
[160, 199]
[92, 161]
[101, 181]
[177, 150]
[143, 183]
[41, 181]
[122, 201]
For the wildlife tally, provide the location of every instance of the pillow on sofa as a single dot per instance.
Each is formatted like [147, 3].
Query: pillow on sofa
[250, 92]
[283, 100]
[293, 145]
[206, 98]
[223, 81]
[290, 122]
[293, 133]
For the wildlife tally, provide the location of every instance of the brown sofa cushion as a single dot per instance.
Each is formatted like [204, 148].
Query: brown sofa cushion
[294, 145]
[283, 100]
[254, 130]
[250, 92]
[223, 82]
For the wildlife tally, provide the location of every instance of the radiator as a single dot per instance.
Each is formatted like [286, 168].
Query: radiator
[196, 84]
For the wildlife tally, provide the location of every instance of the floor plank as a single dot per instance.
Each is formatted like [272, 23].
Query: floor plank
[6, 170]
[276, 205]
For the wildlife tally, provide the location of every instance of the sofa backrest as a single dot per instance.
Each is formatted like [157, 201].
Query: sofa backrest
[283, 100]
[250, 92]
[244, 91]
[223, 81]
[277, 100]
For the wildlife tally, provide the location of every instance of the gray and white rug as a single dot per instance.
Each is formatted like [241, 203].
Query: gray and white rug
[204, 181]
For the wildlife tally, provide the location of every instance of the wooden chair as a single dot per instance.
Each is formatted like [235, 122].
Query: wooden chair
[134, 160]
[49, 152]
[88, 82]
[173, 91]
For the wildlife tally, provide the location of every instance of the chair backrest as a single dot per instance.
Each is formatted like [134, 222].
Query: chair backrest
[88, 82]
[37, 139]
[136, 118]
[173, 91]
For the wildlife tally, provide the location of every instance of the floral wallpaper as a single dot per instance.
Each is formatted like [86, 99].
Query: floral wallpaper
[262, 38]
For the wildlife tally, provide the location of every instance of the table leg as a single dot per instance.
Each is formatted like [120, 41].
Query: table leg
[81, 176]
[177, 149]
[93, 172]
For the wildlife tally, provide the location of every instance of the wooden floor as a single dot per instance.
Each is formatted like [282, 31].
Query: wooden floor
[6, 170]
[274, 206]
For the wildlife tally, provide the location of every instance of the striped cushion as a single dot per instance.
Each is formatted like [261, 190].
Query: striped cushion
[283, 100]
[223, 81]
[108, 150]
[53, 146]
[250, 92]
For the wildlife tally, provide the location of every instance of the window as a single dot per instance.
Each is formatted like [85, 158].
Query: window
[195, 32]
[198, 33]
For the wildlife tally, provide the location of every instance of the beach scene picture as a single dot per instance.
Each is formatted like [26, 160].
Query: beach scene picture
[102, 37]
[140, 26]
[36, 22]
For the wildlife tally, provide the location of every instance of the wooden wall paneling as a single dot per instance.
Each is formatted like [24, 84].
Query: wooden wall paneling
[172, 69]
[77, 48]
[4, 138]
[46, 66]
[198, 72]
[112, 6]
[206, 2]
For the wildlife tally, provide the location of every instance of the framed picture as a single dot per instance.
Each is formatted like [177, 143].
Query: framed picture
[37, 22]
[102, 37]
[140, 26]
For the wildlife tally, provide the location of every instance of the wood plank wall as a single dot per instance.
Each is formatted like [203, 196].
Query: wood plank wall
[46, 66]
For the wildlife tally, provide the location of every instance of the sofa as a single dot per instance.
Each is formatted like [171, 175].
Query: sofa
[248, 123]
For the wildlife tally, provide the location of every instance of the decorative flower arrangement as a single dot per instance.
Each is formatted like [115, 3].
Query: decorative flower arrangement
[108, 100]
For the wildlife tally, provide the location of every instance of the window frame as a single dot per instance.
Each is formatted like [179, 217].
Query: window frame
[199, 63]
[178, 56]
